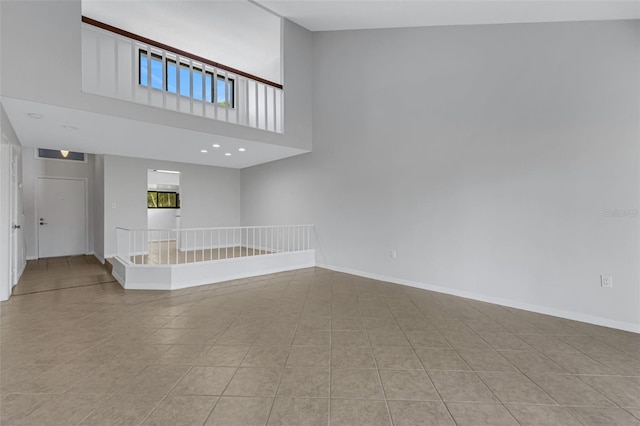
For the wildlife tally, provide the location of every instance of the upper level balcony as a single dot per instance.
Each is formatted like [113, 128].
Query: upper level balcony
[123, 65]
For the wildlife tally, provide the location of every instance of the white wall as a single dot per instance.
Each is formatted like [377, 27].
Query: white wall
[209, 196]
[98, 211]
[33, 168]
[53, 37]
[486, 156]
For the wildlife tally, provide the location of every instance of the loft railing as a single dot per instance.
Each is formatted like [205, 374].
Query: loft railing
[180, 246]
[112, 59]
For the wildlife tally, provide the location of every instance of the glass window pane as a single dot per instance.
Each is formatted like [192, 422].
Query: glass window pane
[156, 73]
[60, 155]
[209, 88]
[171, 77]
[152, 199]
[197, 85]
[185, 82]
[224, 92]
[143, 69]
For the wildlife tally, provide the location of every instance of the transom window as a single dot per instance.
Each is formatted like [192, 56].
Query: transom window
[184, 80]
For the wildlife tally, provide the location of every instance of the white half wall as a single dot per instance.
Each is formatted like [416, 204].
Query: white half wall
[489, 158]
[209, 196]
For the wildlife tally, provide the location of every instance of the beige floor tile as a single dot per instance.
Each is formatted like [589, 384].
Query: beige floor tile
[349, 338]
[156, 379]
[387, 338]
[266, 356]
[299, 412]
[570, 390]
[240, 411]
[314, 322]
[530, 362]
[63, 410]
[578, 363]
[350, 412]
[515, 388]
[408, 385]
[14, 378]
[309, 356]
[624, 391]
[427, 339]
[254, 382]
[347, 324]
[305, 382]
[205, 381]
[108, 379]
[542, 415]
[441, 359]
[181, 410]
[96, 341]
[481, 415]
[634, 412]
[224, 356]
[420, 413]
[355, 383]
[16, 407]
[182, 355]
[485, 360]
[505, 341]
[312, 338]
[590, 416]
[459, 386]
[123, 410]
[396, 358]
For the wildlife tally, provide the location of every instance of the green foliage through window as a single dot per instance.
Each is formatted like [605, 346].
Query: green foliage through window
[163, 200]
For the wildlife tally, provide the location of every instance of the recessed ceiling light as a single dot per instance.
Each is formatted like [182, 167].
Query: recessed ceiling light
[228, 154]
[241, 149]
[215, 145]
[69, 127]
[36, 116]
[204, 151]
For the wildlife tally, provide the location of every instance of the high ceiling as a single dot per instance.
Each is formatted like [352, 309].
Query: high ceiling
[330, 15]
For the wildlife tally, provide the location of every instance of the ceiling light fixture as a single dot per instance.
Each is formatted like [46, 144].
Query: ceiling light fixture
[35, 116]
[241, 149]
[64, 152]
[166, 171]
[228, 154]
[204, 151]
[215, 145]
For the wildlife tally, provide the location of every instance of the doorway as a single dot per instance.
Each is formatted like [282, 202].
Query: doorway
[18, 258]
[163, 211]
[62, 217]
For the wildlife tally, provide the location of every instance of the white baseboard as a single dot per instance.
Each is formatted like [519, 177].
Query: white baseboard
[575, 316]
[100, 258]
[32, 257]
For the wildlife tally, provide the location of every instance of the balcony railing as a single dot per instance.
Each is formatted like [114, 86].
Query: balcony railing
[111, 67]
[181, 246]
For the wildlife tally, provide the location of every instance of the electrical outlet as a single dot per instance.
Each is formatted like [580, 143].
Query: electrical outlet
[393, 254]
[606, 281]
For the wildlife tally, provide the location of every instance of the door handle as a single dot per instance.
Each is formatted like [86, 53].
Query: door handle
[16, 226]
[43, 223]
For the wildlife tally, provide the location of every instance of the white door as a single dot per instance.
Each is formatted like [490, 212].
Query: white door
[62, 221]
[17, 236]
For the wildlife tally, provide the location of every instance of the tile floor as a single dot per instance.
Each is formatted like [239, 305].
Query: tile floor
[309, 347]
[56, 273]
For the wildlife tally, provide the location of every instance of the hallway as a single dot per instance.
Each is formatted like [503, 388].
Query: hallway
[56, 273]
